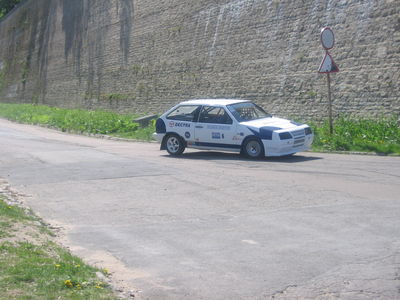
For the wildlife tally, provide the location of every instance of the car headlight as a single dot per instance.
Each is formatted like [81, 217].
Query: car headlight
[285, 136]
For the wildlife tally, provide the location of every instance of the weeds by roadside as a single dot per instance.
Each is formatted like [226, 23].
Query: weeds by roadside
[76, 120]
[32, 266]
[380, 135]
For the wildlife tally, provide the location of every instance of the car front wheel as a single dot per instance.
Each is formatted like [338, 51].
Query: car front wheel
[174, 145]
[253, 148]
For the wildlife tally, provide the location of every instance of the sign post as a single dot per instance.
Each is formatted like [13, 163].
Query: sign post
[328, 76]
[328, 66]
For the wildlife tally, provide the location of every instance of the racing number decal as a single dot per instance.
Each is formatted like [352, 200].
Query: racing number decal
[215, 135]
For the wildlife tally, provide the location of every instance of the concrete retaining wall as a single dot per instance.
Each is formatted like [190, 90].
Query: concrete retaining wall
[144, 56]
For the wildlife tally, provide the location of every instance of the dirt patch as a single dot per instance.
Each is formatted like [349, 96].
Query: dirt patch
[24, 233]
[26, 230]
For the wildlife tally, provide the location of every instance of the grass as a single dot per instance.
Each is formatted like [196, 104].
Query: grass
[32, 266]
[77, 120]
[8, 216]
[380, 135]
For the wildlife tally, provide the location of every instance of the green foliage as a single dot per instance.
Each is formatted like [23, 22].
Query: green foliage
[380, 135]
[6, 6]
[77, 120]
[144, 134]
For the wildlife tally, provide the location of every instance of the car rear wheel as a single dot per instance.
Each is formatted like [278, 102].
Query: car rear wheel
[253, 148]
[174, 144]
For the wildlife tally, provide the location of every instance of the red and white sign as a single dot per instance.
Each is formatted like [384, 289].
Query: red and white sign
[328, 65]
[328, 41]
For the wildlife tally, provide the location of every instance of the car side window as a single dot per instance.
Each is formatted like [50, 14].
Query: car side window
[187, 113]
[216, 115]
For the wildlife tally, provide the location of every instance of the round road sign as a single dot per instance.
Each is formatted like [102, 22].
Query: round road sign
[327, 38]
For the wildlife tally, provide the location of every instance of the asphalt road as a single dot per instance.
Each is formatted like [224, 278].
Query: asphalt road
[214, 225]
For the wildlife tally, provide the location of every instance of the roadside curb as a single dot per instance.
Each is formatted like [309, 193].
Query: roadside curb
[356, 153]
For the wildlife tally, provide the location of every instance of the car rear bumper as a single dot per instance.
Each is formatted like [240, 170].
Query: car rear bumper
[158, 136]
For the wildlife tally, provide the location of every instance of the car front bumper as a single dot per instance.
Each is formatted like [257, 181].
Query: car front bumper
[287, 147]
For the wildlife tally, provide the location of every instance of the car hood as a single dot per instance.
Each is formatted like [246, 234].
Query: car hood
[274, 123]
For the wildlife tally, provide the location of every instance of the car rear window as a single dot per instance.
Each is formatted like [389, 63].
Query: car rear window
[184, 113]
[217, 115]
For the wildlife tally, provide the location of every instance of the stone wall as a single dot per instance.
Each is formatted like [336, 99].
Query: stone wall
[145, 55]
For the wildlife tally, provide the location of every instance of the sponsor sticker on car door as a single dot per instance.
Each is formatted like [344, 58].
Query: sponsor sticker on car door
[215, 128]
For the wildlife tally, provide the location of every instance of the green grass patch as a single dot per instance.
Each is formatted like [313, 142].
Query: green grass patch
[40, 269]
[77, 120]
[379, 135]
[9, 215]
[14, 213]
[47, 271]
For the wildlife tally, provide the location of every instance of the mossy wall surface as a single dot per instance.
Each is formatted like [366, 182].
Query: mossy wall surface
[144, 56]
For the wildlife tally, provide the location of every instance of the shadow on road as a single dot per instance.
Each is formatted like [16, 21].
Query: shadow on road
[210, 155]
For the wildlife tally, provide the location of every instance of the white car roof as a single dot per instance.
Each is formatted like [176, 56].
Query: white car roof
[213, 102]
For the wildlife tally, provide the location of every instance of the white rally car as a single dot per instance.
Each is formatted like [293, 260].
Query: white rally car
[230, 125]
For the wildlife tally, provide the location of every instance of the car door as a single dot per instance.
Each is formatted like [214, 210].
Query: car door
[181, 121]
[215, 128]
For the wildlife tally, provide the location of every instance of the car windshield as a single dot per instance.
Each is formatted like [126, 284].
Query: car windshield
[247, 111]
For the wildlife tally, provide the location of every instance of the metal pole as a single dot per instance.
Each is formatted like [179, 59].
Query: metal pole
[330, 104]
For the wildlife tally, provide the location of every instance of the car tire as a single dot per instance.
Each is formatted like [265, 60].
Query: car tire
[253, 148]
[174, 144]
